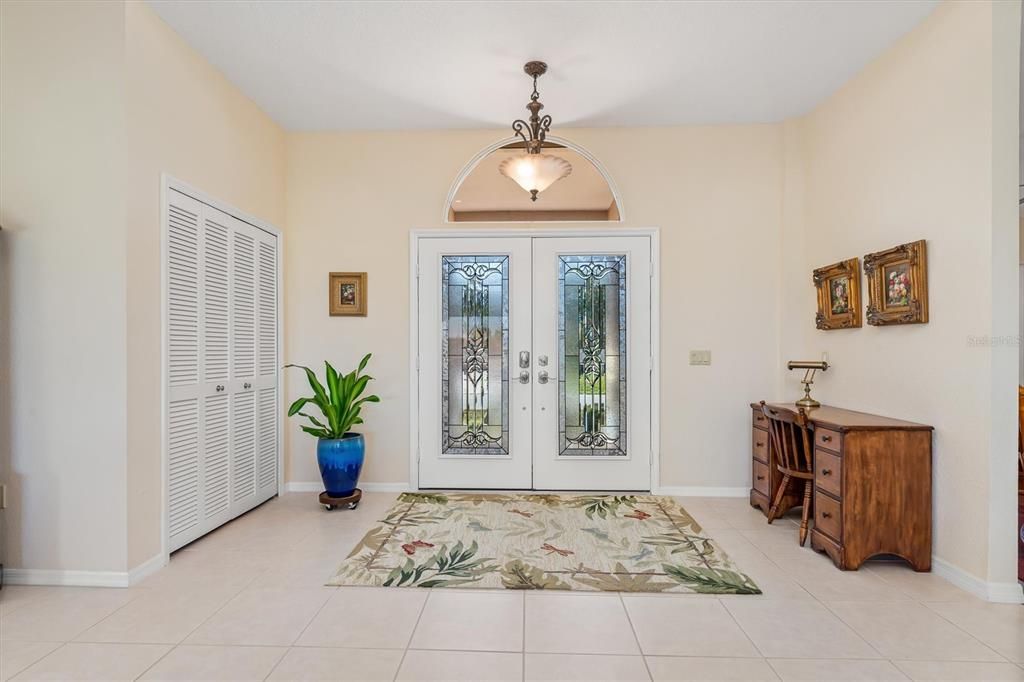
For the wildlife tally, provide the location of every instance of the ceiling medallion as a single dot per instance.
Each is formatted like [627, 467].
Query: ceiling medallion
[533, 171]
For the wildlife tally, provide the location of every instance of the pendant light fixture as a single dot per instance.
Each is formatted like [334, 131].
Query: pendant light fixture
[534, 171]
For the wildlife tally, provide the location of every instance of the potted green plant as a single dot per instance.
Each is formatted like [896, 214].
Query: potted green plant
[339, 450]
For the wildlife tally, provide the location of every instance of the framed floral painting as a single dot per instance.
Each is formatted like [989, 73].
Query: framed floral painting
[838, 295]
[347, 293]
[898, 285]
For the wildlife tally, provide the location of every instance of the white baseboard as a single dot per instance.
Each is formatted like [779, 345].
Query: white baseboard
[700, 491]
[366, 487]
[147, 568]
[41, 576]
[1005, 593]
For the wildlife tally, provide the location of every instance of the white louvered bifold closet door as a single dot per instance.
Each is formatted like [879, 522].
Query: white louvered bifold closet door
[223, 416]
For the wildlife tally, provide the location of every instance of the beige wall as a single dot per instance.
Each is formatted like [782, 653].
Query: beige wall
[99, 99]
[713, 191]
[186, 120]
[908, 150]
[62, 284]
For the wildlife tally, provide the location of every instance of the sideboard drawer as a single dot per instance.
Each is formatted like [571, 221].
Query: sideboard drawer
[828, 472]
[761, 478]
[827, 516]
[826, 438]
[759, 441]
[759, 420]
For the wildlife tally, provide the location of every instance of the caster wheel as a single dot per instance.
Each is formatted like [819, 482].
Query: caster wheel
[329, 507]
[353, 505]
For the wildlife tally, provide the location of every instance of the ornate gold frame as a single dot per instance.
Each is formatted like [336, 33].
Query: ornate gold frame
[879, 312]
[825, 318]
[336, 307]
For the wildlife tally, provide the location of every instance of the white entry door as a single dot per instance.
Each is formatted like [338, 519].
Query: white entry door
[534, 361]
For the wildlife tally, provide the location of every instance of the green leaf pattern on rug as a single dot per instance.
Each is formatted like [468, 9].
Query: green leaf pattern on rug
[712, 580]
[620, 543]
[447, 568]
[517, 575]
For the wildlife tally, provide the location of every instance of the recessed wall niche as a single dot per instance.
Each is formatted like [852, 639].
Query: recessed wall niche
[482, 194]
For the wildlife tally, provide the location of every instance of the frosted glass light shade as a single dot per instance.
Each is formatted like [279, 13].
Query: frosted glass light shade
[535, 172]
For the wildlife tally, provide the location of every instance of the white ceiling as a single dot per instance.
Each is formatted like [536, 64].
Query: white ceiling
[319, 65]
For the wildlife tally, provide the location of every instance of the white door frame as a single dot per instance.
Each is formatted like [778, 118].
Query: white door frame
[167, 183]
[416, 235]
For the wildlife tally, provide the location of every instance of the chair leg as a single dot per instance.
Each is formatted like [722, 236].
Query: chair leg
[806, 512]
[774, 510]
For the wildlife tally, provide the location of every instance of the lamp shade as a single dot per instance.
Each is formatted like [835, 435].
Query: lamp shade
[535, 172]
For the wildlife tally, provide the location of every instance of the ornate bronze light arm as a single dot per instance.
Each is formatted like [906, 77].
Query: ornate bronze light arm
[533, 132]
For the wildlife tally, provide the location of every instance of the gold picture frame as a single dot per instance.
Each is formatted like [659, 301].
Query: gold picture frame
[898, 285]
[347, 293]
[838, 295]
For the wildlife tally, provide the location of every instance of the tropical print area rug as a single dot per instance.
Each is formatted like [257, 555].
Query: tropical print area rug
[615, 543]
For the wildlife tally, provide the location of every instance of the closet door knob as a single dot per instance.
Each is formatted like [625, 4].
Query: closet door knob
[219, 388]
[247, 385]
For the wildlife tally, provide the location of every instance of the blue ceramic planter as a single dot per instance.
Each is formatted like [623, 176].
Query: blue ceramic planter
[340, 460]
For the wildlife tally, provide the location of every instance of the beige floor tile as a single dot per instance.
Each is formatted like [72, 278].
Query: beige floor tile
[16, 655]
[925, 587]
[1000, 626]
[773, 581]
[14, 597]
[455, 666]
[370, 617]
[684, 627]
[960, 670]
[213, 569]
[338, 664]
[473, 621]
[806, 670]
[797, 628]
[819, 576]
[909, 630]
[578, 624]
[265, 617]
[64, 616]
[88, 661]
[216, 663]
[558, 667]
[672, 669]
[159, 616]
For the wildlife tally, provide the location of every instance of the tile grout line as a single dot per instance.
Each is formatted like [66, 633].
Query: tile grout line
[746, 634]
[408, 643]
[299, 636]
[636, 637]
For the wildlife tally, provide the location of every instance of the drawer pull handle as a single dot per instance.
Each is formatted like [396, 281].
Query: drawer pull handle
[758, 444]
[826, 439]
[826, 515]
[760, 478]
[826, 472]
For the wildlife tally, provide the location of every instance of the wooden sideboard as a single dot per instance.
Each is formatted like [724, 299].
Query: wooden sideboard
[872, 484]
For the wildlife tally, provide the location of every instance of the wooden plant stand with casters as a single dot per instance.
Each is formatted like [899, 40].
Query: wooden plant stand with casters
[331, 503]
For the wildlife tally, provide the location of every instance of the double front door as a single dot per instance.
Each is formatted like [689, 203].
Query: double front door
[534, 362]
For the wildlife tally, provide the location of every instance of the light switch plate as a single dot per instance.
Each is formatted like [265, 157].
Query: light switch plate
[700, 357]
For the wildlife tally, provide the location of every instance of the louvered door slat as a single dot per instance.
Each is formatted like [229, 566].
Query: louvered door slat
[267, 416]
[183, 465]
[183, 292]
[215, 300]
[243, 441]
[217, 453]
[243, 305]
[267, 316]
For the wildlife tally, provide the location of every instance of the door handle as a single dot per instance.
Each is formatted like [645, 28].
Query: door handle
[524, 377]
[542, 376]
[219, 388]
[524, 359]
[247, 385]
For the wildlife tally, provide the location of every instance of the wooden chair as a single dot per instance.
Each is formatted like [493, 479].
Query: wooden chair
[793, 452]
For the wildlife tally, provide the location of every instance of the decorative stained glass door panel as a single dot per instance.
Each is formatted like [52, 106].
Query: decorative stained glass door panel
[592, 326]
[474, 321]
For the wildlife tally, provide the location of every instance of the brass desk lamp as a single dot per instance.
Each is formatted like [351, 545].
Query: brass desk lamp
[811, 367]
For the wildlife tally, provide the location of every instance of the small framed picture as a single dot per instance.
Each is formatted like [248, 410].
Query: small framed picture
[898, 285]
[347, 293]
[838, 295]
